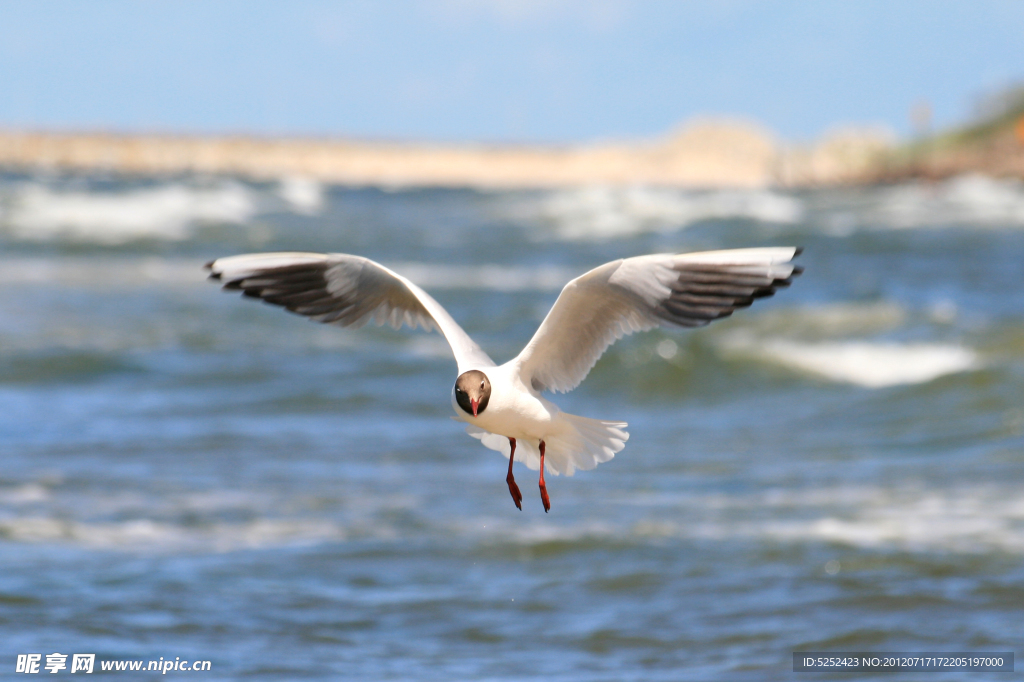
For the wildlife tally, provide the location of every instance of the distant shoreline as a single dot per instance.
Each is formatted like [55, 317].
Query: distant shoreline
[702, 154]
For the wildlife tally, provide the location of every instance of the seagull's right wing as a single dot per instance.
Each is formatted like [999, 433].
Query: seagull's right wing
[337, 288]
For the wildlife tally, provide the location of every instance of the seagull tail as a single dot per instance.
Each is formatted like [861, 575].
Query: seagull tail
[582, 443]
[578, 443]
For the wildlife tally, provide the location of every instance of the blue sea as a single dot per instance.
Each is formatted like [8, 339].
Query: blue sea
[190, 475]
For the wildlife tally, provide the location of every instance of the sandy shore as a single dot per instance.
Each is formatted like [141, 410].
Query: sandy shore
[701, 154]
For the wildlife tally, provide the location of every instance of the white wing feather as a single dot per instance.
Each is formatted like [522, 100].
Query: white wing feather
[337, 288]
[637, 294]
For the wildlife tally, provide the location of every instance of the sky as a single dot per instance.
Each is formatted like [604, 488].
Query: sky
[519, 71]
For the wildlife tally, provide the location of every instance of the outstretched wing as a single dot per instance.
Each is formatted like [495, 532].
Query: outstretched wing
[637, 294]
[337, 288]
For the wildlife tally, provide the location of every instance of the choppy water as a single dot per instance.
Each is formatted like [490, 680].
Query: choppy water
[188, 474]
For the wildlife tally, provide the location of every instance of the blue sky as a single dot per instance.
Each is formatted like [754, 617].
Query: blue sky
[499, 70]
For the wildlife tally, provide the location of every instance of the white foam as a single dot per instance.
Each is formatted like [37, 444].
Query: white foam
[830, 320]
[39, 213]
[150, 535]
[610, 212]
[304, 195]
[971, 519]
[967, 519]
[90, 272]
[973, 200]
[29, 493]
[139, 521]
[904, 517]
[869, 364]
[908, 517]
[491, 530]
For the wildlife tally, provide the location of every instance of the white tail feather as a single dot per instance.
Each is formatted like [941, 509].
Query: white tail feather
[579, 443]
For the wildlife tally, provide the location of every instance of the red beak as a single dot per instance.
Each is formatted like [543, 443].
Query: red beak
[474, 403]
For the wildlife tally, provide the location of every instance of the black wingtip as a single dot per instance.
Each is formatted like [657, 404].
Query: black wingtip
[209, 266]
[798, 251]
[797, 270]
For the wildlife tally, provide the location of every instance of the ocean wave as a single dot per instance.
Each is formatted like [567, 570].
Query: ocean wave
[614, 212]
[101, 273]
[907, 517]
[863, 363]
[829, 321]
[38, 212]
[29, 493]
[304, 196]
[42, 210]
[45, 209]
[971, 519]
[150, 535]
[37, 513]
[969, 199]
[965, 201]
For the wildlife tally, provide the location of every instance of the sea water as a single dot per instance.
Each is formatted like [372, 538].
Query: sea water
[193, 476]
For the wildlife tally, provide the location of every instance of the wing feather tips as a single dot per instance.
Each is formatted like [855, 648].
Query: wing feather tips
[321, 289]
[214, 274]
[705, 290]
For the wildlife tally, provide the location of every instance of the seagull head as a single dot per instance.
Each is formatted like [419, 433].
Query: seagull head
[472, 391]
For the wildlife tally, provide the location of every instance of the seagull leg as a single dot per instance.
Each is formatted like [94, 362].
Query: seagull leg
[517, 496]
[543, 488]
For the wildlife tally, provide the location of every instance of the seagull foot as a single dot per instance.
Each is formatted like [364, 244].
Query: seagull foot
[513, 489]
[517, 496]
[543, 488]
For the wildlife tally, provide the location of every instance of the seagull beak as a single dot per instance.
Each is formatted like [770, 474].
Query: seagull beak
[474, 404]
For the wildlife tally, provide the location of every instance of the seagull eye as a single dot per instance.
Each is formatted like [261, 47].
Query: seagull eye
[481, 384]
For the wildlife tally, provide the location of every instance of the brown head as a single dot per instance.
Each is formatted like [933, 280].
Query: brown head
[472, 391]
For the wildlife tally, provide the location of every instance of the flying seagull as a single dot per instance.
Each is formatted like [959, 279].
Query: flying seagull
[504, 405]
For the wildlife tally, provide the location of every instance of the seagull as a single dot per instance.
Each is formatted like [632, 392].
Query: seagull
[504, 405]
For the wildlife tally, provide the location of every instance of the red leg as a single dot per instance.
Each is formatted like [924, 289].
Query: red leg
[543, 488]
[517, 496]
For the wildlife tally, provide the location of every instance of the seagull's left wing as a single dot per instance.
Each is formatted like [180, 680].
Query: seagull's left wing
[636, 294]
[336, 288]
